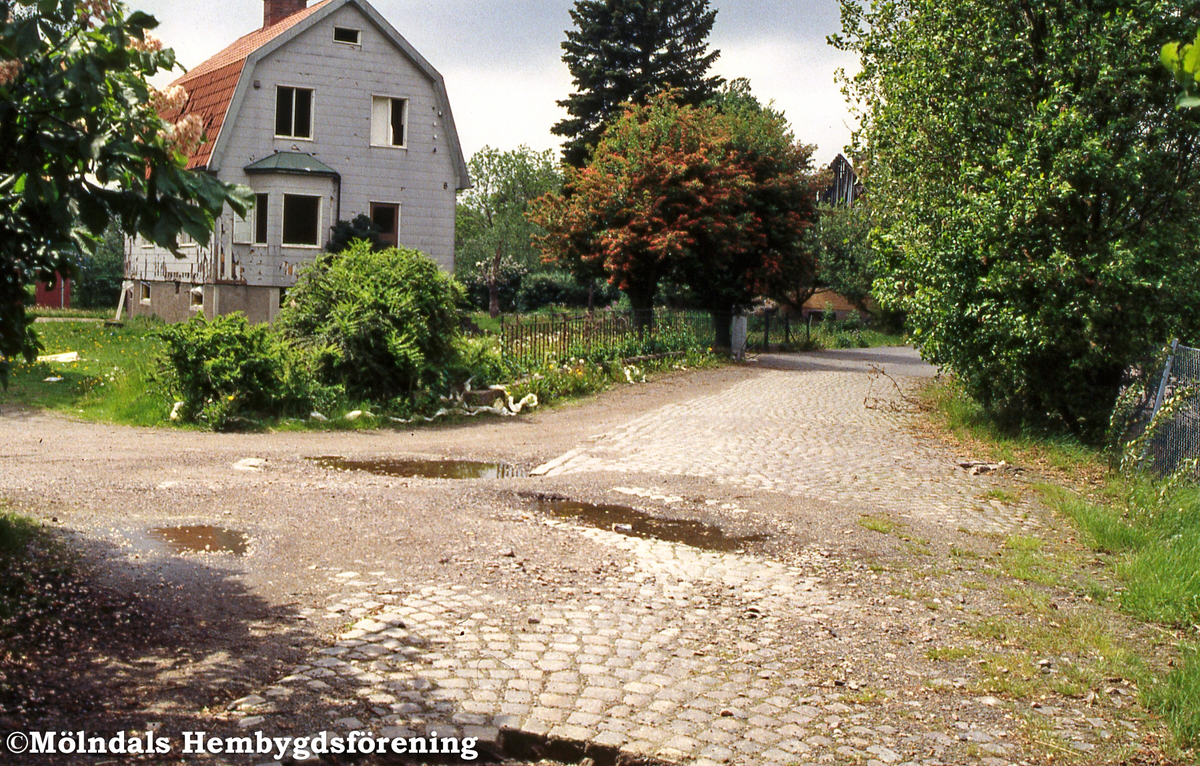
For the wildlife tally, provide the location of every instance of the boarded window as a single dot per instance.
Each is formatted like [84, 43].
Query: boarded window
[261, 218]
[346, 35]
[241, 228]
[389, 118]
[293, 112]
[301, 220]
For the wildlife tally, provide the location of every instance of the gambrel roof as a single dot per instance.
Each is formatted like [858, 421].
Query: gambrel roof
[216, 87]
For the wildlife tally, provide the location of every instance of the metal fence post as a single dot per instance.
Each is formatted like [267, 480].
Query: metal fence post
[1162, 385]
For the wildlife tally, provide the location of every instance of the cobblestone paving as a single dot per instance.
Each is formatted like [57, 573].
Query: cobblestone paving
[682, 655]
[692, 656]
[801, 433]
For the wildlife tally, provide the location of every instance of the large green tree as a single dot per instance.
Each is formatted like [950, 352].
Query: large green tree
[494, 236]
[625, 51]
[769, 248]
[81, 145]
[1036, 190]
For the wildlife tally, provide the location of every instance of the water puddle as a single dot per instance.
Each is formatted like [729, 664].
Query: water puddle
[202, 539]
[635, 523]
[425, 469]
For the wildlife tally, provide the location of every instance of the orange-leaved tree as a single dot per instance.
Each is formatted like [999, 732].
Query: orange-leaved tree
[715, 198]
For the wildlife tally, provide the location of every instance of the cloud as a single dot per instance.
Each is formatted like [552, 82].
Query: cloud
[800, 78]
[503, 71]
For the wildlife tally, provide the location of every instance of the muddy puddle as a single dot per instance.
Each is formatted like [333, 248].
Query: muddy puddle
[635, 523]
[424, 469]
[202, 539]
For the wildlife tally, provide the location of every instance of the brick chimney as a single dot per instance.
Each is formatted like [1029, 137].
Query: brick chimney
[275, 11]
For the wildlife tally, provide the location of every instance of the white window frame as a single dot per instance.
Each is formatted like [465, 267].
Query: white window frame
[357, 37]
[383, 139]
[283, 221]
[144, 293]
[312, 113]
[196, 298]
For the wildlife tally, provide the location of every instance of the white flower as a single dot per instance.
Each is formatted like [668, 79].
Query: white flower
[9, 71]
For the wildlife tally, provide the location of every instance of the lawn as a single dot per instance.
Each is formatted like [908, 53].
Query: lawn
[111, 380]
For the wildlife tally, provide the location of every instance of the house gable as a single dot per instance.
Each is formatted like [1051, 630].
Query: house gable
[212, 84]
[312, 17]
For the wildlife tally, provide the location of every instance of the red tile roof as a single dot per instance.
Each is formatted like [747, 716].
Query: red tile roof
[210, 85]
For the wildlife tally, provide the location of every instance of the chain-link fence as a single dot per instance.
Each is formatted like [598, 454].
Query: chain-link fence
[1162, 394]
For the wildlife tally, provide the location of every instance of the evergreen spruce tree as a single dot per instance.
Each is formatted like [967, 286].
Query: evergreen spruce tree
[627, 51]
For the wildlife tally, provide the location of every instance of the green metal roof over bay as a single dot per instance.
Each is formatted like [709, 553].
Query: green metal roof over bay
[298, 163]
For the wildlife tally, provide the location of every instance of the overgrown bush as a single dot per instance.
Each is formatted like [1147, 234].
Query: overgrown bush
[227, 372]
[383, 325]
[346, 233]
[476, 280]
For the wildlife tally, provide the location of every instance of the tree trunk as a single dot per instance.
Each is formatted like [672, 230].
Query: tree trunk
[494, 284]
[642, 304]
[592, 297]
[722, 329]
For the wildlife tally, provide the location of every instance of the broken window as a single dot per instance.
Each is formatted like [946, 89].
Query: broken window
[301, 220]
[389, 118]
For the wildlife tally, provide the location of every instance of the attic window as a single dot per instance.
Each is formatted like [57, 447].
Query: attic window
[389, 117]
[345, 35]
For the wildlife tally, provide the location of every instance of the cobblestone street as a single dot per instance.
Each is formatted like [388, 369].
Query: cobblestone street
[684, 655]
[842, 619]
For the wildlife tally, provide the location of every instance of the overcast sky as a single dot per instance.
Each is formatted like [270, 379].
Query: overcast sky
[503, 68]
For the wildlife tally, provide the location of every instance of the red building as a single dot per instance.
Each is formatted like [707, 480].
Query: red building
[57, 296]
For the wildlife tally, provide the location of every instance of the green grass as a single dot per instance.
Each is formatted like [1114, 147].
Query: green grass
[1148, 533]
[950, 653]
[880, 524]
[1177, 696]
[45, 311]
[109, 382]
[113, 379]
[965, 418]
[1001, 495]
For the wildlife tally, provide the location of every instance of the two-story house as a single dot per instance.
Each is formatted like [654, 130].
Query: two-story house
[325, 112]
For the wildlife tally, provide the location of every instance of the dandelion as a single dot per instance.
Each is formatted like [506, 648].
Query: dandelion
[9, 71]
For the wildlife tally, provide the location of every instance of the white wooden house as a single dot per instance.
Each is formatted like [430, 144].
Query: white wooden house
[325, 112]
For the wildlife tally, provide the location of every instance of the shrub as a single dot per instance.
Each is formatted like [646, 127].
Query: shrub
[226, 371]
[346, 233]
[476, 279]
[558, 288]
[383, 325]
